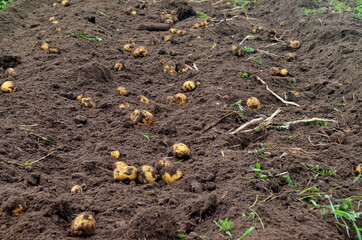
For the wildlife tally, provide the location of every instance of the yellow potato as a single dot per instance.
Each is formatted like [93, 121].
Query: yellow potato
[122, 91]
[142, 117]
[88, 102]
[359, 168]
[52, 19]
[147, 174]
[145, 100]
[284, 72]
[65, 3]
[290, 57]
[127, 173]
[57, 29]
[8, 87]
[10, 72]
[208, 19]
[180, 98]
[126, 105]
[140, 51]
[118, 66]
[133, 12]
[83, 225]
[80, 97]
[180, 150]
[196, 26]
[45, 46]
[119, 164]
[253, 103]
[115, 154]
[181, 33]
[173, 30]
[76, 189]
[129, 47]
[274, 71]
[167, 38]
[161, 164]
[55, 22]
[189, 86]
[235, 50]
[171, 174]
[295, 44]
[54, 50]
[20, 209]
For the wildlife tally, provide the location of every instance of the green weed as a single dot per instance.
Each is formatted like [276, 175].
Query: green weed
[179, 235]
[227, 225]
[320, 170]
[319, 123]
[84, 36]
[202, 15]
[5, 3]
[244, 3]
[244, 74]
[288, 180]
[259, 173]
[236, 106]
[248, 49]
[104, 14]
[27, 163]
[213, 45]
[148, 137]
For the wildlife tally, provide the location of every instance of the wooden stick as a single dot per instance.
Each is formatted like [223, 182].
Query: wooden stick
[276, 95]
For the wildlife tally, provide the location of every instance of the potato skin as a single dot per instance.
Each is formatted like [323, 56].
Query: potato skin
[180, 150]
[83, 225]
[147, 174]
[171, 174]
[189, 86]
[142, 117]
[8, 87]
[253, 103]
[76, 189]
[128, 173]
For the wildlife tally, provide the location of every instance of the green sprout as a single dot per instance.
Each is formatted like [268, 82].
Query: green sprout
[202, 15]
[104, 14]
[180, 236]
[84, 36]
[4, 3]
[27, 163]
[259, 173]
[236, 106]
[213, 45]
[248, 50]
[244, 3]
[244, 74]
[288, 180]
[148, 137]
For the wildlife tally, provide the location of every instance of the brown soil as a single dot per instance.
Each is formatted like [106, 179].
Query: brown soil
[217, 180]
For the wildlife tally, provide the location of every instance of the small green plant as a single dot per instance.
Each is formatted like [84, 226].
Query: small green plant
[213, 45]
[104, 14]
[236, 106]
[180, 236]
[358, 177]
[244, 74]
[309, 194]
[248, 50]
[258, 59]
[148, 137]
[288, 180]
[27, 163]
[259, 173]
[84, 36]
[5, 3]
[308, 11]
[202, 15]
[292, 82]
[320, 170]
[244, 3]
[227, 225]
[339, 6]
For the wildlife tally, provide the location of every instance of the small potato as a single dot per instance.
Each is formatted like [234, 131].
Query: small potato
[290, 57]
[253, 103]
[10, 72]
[20, 209]
[115, 154]
[173, 30]
[119, 164]
[235, 50]
[129, 47]
[172, 72]
[256, 30]
[198, 84]
[65, 3]
[180, 98]
[122, 91]
[140, 52]
[284, 72]
[359, 168]
[133, 12]
[274, 71]
[76, 189]
[167, 38]
[52, 19]
[161, 164]
[208, 19]
[57, 29]
[282, 24]
[142, 117]
[171, 174]
[128, 173]
[180, 151]
[272, 33]
[181, 33]
[145, 100]
[189, 86]
[55, 22]
[83, 225]
[8, 87]
[80, 97]
[196, 26]
[294, 44]
[54, 50]
[118, 66]
[147, 174]
[126, 105]
[88, 102]
[198, 37]
[45, 46]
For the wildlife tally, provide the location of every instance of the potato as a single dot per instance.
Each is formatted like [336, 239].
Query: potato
[54, 50]
[57, 29]
[119, 164]
[171, 174]
[172, 72]
[10, 72]
[140, 51]
[55, 22]
[198, 84]
[161, 164]
[359, 168]
[83, 225]
[180, 98]
[274, 71]
[142, 117]
[76, 189]
[253, 103]
[290, 57]
[181, 33]
[65, 3]
[294, 44]
[133, 12]
[282, 24]
[88, 102]
[52, 19]
[44, 46]
[237, 51]
[118, 66]
[122, 91]
[272, 33]
[147, 174]
[284, 72]
[167, 38]
[126, 105]
[173, 30]
[80, 97]
[208, 19]
[180, 150]
[196, 26]
[20, 209]
[189, 86]
[127, 173]
[203, 24]
[8, 87]
[198, 37]
[115, 154]
[129, 47]
[145, 100]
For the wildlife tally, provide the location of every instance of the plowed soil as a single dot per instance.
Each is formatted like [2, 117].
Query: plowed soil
[69, 144]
